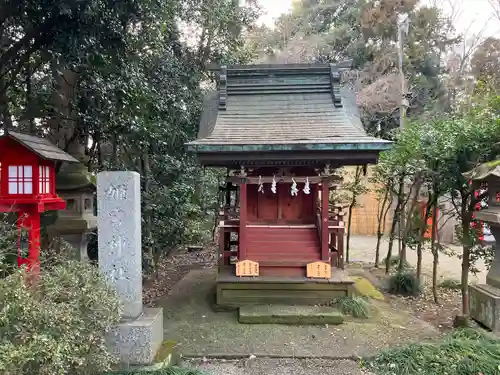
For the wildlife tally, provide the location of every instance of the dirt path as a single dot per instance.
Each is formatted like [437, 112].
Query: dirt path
[363, 250]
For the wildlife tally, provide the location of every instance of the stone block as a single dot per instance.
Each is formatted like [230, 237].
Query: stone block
[119, 223]
[284, 314]
[484, 305]
[136, 341]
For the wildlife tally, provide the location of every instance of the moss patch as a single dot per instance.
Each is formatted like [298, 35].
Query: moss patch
[166, 354]
[365, 288]
[277, 314]
[493, 163]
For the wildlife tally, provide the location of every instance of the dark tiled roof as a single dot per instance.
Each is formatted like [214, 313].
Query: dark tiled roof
[42, 147]
[281, 104]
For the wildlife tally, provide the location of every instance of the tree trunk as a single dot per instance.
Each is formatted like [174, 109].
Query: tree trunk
[395, 221]
[408, 223]
[435, 252]
[352, 205]
[466, 246]
[29, 103]
[148, 230]
[381, 216]
[421, 237]
[348, 239]
[63, 120]
[5, 116]
[114, 152]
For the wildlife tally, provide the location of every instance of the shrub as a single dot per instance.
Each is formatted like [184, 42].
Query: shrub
[358, 307]
[405, 283]
[394, 262]
[463, 352]
[57, 326]
[8, 246]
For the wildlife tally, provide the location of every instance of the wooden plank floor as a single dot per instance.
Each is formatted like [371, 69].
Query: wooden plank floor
[234, 291]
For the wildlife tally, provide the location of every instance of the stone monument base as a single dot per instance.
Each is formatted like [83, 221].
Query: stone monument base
[137, 341]
[484, 305]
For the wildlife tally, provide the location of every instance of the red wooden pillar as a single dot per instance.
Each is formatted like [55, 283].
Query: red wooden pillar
[242, 237]
[29, 221]
[325, 256]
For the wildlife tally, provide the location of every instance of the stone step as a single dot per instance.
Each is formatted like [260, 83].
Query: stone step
[284, 314]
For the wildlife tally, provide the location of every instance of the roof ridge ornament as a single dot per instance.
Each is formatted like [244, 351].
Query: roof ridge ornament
[335, 76]
[223, 88]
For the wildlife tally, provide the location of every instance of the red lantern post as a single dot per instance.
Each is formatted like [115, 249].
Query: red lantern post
[27, 186]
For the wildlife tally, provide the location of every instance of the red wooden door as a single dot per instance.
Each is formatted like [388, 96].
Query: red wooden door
[296, 209]
[280, 208]
[290, 206]
[267, 205]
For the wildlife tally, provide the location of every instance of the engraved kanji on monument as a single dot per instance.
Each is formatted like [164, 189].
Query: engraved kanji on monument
[119, 223]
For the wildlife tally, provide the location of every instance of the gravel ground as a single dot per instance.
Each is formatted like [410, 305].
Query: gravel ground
[362, 249]
[259, 366]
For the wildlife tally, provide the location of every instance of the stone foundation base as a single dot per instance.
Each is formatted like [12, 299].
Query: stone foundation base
[136, 342]
[484, 305]
[278, 314]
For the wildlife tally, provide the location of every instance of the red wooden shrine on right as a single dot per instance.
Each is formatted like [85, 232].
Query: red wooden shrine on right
[280, 131]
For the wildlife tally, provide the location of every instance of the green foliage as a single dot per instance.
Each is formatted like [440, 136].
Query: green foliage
[477, 250]
[126, 81]
[357, 307]
[463, 352]
[405, 283]
[57, 326]
[165, 371]
[354, 184]
[8, 245]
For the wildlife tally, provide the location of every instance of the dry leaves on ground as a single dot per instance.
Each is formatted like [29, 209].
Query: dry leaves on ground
[172, 269]
[441, 315]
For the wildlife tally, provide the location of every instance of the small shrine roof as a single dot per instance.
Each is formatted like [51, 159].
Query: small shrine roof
[483, 171]
[42, 147]
[282, 108]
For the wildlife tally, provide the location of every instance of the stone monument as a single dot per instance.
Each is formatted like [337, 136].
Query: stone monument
[484, 299]
[76, 223]
[138, 337]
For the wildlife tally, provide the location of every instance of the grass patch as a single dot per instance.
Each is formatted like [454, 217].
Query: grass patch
[405, 284]
[163, 371]
[357, 307]
[450, 284]
[463, 352]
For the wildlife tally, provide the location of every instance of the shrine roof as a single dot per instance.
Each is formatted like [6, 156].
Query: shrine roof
[282, 108]
[484, 171]
[42, 147]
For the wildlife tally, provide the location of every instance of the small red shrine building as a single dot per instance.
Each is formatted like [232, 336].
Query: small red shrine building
[27, 187]
[280, 131]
